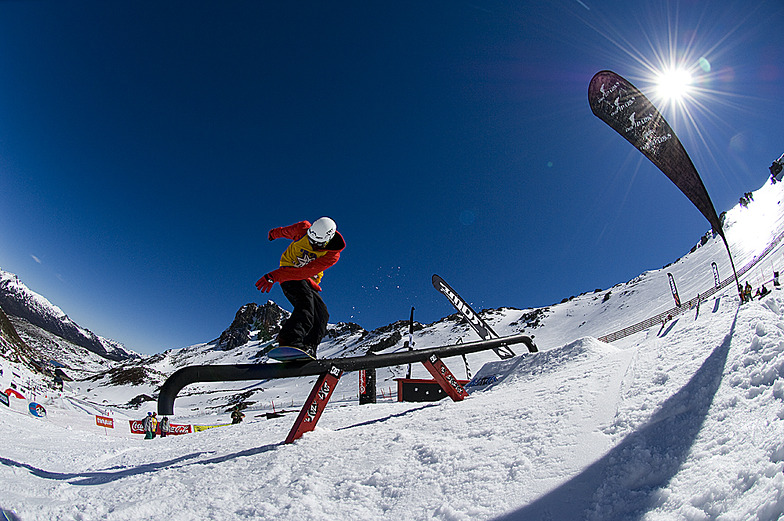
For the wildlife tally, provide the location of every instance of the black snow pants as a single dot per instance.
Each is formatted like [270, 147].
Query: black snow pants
[307, 324]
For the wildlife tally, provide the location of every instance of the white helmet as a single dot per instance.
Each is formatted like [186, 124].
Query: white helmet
[322, 231]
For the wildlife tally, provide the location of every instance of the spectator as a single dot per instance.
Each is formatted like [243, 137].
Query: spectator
[149, 427]
[236, 415]
[165, 426]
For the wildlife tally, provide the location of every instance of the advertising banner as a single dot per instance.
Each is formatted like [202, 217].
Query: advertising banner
[174, 428]
[104, 421]
[627, 111]
[36, 409]
[199, 428]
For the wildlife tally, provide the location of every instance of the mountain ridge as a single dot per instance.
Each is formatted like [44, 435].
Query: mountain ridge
[19, 301]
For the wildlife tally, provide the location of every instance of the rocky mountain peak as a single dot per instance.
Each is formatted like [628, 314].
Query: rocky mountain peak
[265, 319]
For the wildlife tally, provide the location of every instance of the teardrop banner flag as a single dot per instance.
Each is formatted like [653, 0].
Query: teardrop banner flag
[622, 106]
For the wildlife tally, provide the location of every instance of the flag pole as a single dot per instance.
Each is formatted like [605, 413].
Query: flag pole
[732, 263]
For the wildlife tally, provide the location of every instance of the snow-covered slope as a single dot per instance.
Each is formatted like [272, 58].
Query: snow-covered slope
[680, 421]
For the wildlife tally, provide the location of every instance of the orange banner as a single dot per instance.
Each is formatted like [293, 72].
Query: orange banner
[103, 421]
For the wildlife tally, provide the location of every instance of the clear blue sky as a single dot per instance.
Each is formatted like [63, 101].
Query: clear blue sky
[146, 148]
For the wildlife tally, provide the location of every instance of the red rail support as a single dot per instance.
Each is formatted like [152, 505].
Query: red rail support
[315, 404]
[445, 378]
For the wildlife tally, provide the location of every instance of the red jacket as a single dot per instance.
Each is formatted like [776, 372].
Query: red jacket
[301, 261]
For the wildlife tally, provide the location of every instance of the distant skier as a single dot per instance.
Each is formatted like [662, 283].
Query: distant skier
[236, 415]
[313, 249]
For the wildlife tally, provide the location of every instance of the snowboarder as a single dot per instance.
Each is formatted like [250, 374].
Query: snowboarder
[236, 415]
[313, 249]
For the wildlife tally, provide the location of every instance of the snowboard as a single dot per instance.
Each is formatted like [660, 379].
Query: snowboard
[288, 354]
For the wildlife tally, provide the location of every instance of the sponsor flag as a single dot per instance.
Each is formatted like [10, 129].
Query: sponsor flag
[674, 290]
[624, 108]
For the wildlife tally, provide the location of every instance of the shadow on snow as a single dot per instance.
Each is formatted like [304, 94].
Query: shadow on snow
[624, 484]
[100, 477]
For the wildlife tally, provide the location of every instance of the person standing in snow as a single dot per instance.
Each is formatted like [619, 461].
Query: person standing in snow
[747, 292]
[149, 425]
[313, 249]
[165, 426]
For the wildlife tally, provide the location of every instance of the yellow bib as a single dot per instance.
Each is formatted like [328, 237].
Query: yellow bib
[300, 253]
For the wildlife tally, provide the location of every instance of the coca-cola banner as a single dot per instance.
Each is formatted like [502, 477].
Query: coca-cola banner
[177, 428]
[174, 428]
[622, 106]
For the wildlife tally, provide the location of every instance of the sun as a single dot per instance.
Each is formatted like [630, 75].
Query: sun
[674, 84]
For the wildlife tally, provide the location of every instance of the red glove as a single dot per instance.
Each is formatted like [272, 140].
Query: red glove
[265, 283]
[269, 235]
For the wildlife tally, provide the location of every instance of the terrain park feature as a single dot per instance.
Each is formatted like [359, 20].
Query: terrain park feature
[329, 371]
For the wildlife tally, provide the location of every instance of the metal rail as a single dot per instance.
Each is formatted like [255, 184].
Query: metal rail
[237, 372]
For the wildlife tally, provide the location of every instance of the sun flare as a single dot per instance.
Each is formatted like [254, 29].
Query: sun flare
[674, 84]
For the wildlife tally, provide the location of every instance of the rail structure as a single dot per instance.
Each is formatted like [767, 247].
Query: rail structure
[237, 372]
[329, 371]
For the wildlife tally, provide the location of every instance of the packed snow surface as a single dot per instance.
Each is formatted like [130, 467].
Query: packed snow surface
[680, 421]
